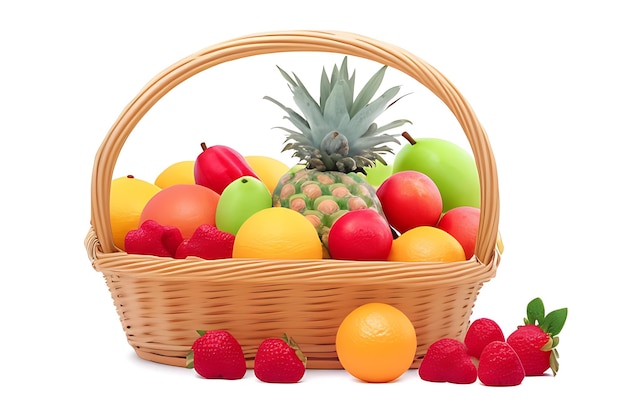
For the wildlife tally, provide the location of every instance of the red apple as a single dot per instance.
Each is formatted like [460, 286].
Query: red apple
[462, 223]
[361, 235]
[410, 199]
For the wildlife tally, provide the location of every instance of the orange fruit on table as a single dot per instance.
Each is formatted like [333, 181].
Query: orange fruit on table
[128, 196]
[376, 343]
[426, 243]
[178, 173]
[185, 206]
[277, 233]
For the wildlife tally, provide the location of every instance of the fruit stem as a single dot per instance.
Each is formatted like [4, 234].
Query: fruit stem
[408, 138]
[203, 145]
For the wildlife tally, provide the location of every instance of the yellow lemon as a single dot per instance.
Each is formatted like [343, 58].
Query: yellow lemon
[269, 169]
[128, 198]
[426, 243]
[277, 233]
[177, 173]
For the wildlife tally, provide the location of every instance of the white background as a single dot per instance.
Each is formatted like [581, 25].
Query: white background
[546, 79]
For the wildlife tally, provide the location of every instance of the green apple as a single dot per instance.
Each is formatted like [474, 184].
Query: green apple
[296, 168]
[452, 169]
[378, 173]
[238, 201]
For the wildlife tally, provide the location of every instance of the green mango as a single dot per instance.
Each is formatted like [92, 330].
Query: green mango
[238, 201]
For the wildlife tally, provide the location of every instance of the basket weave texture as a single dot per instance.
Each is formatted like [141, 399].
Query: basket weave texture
[161, 302]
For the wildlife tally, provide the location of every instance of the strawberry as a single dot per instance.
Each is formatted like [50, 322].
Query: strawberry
[447, 360]
[499, 365]
[480, 333]
[535, 342]
[152, 238]
[279, 360]
[217, 354]
[207, 242]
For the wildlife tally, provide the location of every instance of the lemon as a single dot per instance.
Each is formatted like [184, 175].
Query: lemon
[177, 173]
[277, 233]
[128, 198]
[268, 169]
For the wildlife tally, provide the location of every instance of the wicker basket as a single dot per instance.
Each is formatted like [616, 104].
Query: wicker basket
[161, 302]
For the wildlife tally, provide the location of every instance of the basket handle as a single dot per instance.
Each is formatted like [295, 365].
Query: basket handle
[299, 41]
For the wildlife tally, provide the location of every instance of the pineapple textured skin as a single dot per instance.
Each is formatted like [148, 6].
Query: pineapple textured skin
[323, 196]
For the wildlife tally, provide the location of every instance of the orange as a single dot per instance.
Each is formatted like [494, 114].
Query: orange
[376, 343]
[185, 206]
[128, 197]
[268, 169]
[177, 173]
[277, 233]
[426, 243]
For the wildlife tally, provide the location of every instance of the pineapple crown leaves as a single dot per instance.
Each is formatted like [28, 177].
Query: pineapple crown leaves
[551, 324]
[339, 113]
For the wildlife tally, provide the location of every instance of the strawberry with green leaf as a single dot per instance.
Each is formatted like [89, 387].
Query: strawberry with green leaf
[535, 342]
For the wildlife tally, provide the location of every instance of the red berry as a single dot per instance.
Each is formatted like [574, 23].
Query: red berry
[152, 238]
[499, 365]
[533, 346]
[279, 360]
[480, 333]
[535, 342]
[447, 360]
[217, 355]
[207, 242]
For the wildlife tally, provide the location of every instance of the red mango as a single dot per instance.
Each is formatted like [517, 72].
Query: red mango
[219, 165]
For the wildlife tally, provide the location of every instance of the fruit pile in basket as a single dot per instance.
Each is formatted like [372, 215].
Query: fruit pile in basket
[342, 200]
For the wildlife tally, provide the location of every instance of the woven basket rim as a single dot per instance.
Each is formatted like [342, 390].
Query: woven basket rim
[344, 272]
[100, 237]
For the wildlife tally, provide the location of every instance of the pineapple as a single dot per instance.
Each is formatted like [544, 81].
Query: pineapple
[337, 139]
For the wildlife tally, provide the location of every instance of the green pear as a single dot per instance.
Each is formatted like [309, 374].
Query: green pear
[452, 169]
[378, 173]
[296, 168]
